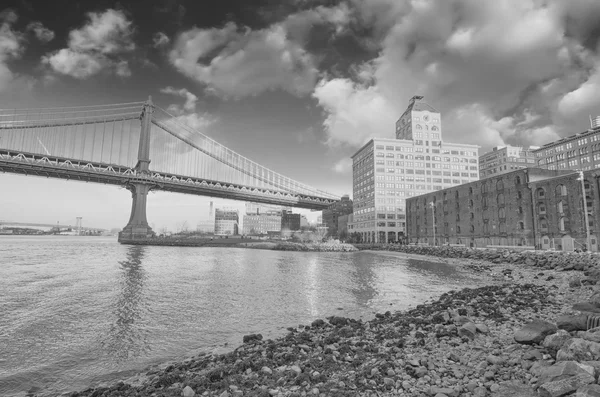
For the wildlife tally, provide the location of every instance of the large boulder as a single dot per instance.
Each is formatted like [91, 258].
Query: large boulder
[588, 391]
[555, 341]
[534, 332]
[572, 322]
[565, 386]
[563, 370]
[578, 349]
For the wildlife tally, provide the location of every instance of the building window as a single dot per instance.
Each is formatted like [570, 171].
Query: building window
[560, 207]
[518, 180]
[544, 224]
[521, 225]
[541, 208]
[500, 199]
[519, 195]
[520, 210]
[541, 193]
[472, 216]
[561, 224]
[458, 229]
[502, 213]
[500, 184]
[472, 229]
[561, 190]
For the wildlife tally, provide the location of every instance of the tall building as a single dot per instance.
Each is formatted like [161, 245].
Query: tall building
[226, 221]
[334, 211]
[579, 152]
[388, 171]
[503, 159]
[290, 221]
[207, 225]
[530, 207]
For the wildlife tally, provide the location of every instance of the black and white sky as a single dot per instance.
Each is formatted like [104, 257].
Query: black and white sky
[299, 85]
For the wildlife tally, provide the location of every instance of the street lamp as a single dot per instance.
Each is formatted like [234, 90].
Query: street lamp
[433, 219]
[585, 211]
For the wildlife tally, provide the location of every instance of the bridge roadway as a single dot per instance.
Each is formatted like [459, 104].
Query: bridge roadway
[112, 174]
[9, 223]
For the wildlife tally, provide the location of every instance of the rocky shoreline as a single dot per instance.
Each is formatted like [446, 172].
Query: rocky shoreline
[501, 340]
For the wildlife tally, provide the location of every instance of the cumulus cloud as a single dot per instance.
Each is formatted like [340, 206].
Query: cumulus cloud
[187, 114]
[41, 32]
[190, 99]
[487, 66]
[354, 112]
[11, 47]
[240, 63]
[160, 40]
[96, 46]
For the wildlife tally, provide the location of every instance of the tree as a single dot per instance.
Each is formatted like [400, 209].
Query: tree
[343, 235]
[183, 227]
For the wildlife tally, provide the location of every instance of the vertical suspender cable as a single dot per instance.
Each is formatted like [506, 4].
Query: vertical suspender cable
[102, 145]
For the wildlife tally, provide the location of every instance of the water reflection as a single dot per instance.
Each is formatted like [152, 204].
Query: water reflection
[127, 336]
[363, 279]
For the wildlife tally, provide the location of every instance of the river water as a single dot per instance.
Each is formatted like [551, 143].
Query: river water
[77, 311]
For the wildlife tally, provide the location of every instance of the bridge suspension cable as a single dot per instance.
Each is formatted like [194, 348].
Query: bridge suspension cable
[174, 126]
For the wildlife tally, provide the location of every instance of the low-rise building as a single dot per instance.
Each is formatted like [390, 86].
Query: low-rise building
[262, 224]
[290, 221]
[504, 159]
[579, 152]
[545, 209]
[226, 222]
[331, 215]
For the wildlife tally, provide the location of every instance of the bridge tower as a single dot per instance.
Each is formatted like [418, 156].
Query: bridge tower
[137, 228]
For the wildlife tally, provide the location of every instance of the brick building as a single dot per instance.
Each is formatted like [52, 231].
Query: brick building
[580, 152]
[331, 215]
[290, 221]
[504, 159]
[528, 207]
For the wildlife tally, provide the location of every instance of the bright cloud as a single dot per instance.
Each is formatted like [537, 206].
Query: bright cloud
[95, 46]
[190, 99]
[487, 66]
[11, 47]
[244, 63]
[354, 112]
[343, 166]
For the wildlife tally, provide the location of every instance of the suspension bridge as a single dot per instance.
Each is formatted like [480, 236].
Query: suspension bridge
[142, 147]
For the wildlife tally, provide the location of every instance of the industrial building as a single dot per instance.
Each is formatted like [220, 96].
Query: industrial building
[534, 207]
[386, 172]
[579, 152]
[504, 159]
[226, 222]
[331, 215]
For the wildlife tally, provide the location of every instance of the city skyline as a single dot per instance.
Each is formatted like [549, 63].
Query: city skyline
[299, 86]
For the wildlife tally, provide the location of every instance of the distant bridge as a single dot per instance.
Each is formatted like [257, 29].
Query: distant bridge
[19, 224]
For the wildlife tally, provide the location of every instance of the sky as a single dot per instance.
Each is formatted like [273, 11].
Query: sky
[296, 85]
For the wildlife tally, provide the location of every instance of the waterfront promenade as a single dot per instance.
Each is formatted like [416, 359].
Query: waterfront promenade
[462, 344]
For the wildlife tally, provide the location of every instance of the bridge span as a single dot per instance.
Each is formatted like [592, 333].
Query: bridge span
[141, 147]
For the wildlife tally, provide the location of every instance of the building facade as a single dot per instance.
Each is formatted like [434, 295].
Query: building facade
[386, 172]
[226, 222]
[579, 152]
[255, 225]
[504, 159]
[531, 207]
[290, 221]
[331, 215]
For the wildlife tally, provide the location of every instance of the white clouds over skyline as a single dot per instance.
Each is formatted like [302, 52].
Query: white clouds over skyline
[484, 65]
[98, 45]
